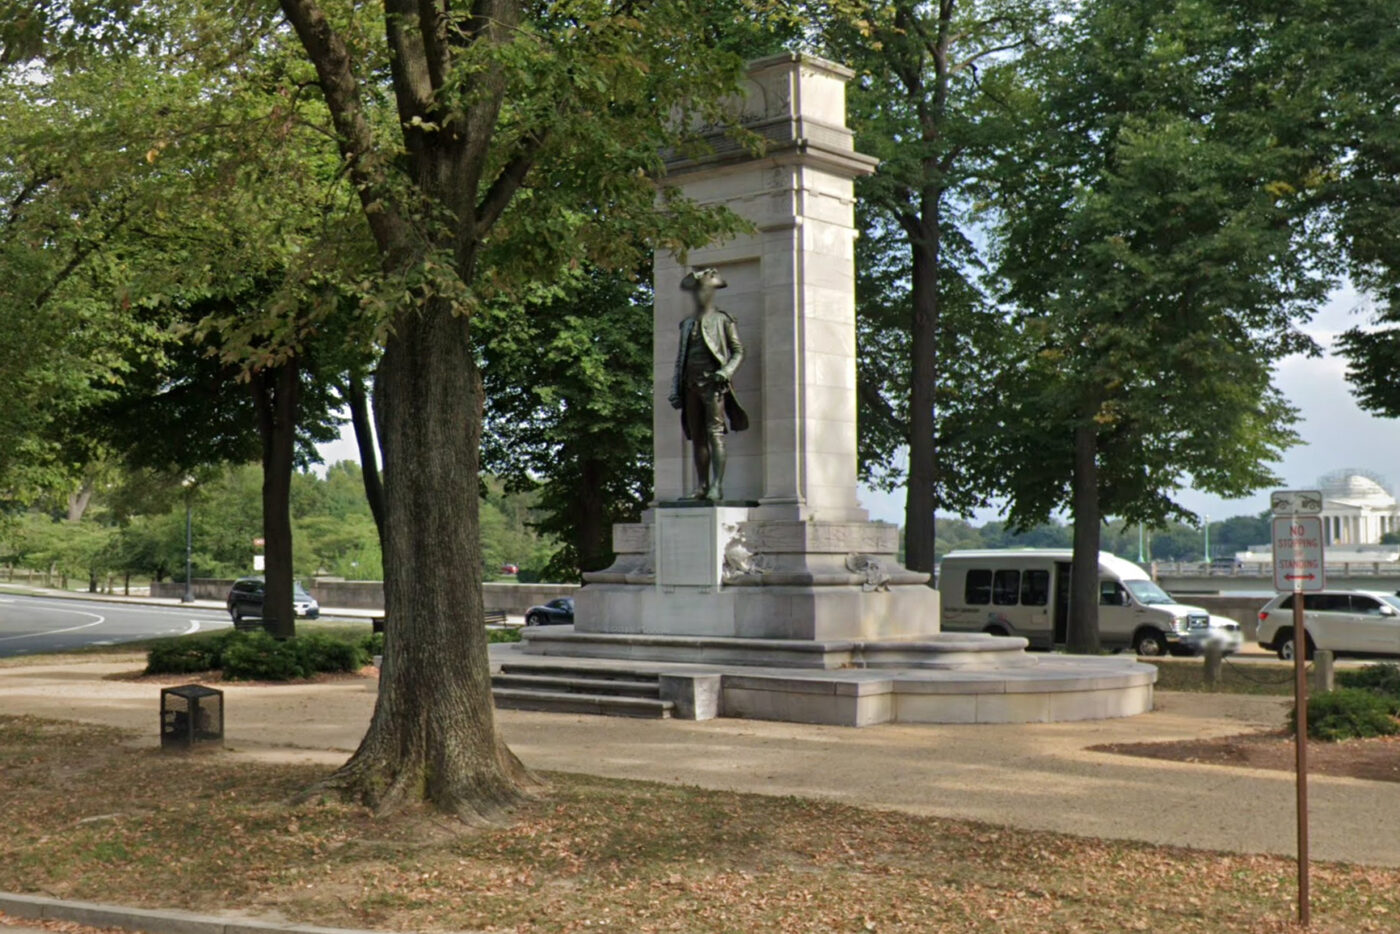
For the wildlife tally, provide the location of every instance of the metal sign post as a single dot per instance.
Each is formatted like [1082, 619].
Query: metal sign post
[1299, 568]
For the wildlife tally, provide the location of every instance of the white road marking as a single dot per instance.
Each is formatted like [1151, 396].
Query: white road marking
[98, 620]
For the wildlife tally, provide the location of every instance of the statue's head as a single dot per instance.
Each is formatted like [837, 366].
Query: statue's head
[702, 283]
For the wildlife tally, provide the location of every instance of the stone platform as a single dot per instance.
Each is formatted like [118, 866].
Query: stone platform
[940, 679]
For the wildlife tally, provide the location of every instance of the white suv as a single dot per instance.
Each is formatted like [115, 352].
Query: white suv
[1360, 622]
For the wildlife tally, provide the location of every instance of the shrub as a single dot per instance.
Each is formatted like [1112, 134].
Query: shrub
[256, 656]
[320, 652]
[1348, 713]
[1381, 679]
[184, 654]
[373, 644]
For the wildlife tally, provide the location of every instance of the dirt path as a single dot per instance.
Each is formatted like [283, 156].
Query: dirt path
[1042, 776]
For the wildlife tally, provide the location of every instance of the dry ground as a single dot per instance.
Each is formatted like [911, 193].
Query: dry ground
[1376, 759]
[89, 816]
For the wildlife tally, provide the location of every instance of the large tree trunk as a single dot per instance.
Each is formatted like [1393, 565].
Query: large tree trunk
[1083, 635]
[369, 455]
[920, 523]
[433, 734]
[592, 526]
[277, 392]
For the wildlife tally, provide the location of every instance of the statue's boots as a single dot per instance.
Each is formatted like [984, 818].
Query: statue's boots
[717, 459]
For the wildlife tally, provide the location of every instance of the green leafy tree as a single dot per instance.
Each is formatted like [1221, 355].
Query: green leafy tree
[936, 95]
[569, 412]
[1154, 244]
[517, 144]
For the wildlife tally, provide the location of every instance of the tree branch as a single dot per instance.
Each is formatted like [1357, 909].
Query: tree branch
[498, 196]
[991, 50]
[336, 75]
[414, 89]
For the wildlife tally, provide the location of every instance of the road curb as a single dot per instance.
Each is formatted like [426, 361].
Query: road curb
[148, 921]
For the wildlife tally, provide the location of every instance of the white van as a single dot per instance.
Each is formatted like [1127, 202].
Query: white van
[1025, 592]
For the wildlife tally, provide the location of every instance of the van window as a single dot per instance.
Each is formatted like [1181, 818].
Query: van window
[1035, 588]
[1005, 587]
[978, 588]
[1110, 593]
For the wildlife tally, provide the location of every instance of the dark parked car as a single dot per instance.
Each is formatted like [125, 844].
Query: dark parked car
[245, 599]
[553, 613]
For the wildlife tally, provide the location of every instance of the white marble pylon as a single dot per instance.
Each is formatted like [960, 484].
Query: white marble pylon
[791, 555]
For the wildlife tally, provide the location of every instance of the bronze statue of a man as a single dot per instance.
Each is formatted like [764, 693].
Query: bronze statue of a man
[709, 353]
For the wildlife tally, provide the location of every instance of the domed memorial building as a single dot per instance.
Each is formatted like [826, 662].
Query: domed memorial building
[1357, 509]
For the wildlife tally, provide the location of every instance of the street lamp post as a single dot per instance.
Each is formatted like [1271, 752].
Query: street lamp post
[1142, 541]
[1205, 530]
[189, 541]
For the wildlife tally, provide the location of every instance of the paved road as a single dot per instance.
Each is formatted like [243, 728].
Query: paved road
[29, 625]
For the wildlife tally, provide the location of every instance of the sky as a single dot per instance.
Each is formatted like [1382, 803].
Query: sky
[1336, 433]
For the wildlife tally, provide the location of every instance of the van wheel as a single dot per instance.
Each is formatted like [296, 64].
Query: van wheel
[996, 631]
[1285, 647]
[1150, 642]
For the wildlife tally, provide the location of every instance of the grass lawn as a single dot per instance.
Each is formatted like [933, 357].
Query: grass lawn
[88, 817]
[1188, 674]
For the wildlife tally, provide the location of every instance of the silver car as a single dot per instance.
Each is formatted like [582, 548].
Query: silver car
[1353, 622]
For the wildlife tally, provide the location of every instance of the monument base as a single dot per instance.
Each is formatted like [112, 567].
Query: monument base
[723, 572]
[963, 679]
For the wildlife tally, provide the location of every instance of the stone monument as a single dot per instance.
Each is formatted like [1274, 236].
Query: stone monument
[783, 568]
[789, 554]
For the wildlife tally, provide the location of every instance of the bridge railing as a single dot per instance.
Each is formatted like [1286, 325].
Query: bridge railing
[1266, 569]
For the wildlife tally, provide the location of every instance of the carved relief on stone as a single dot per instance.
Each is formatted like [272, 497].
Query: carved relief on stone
[739, 560]
[872, 569]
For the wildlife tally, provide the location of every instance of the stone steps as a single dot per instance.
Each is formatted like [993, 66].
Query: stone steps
[568, 670]
[576, 685]
[580, 689]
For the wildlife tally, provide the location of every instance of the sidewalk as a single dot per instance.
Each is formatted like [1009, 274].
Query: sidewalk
[1038, 776]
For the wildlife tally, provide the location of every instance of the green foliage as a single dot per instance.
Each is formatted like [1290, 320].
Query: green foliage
[373, 644]
[569, 418]
[1348, 713]
[335, 534]
[257, 656]
[187, 654]
[1382, 679]
[936, 95]
[502, 635]
[1153, 235]
[321, 652]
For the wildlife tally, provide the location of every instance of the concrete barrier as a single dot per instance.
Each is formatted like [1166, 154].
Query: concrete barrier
[369, 595]
[205, 588]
